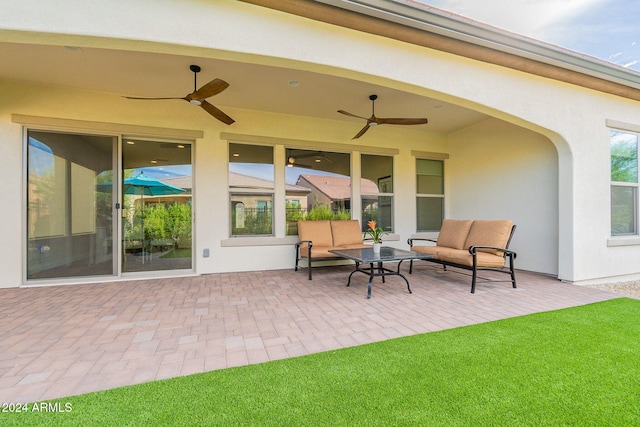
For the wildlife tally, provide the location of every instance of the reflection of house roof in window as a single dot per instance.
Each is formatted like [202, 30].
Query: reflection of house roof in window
[336, 187]
[184, 182]
[237, 180]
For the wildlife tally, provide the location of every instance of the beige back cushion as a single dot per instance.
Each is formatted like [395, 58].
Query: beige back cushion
[319, 232]
[489, 233]
[346, 232]
[453, 233]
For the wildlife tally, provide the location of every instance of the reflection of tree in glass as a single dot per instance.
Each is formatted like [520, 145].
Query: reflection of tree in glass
[624, 157]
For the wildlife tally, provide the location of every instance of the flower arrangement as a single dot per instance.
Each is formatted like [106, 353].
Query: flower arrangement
[376, 233]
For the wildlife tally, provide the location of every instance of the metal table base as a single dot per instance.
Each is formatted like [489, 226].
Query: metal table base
[378, 271]
[375, 260]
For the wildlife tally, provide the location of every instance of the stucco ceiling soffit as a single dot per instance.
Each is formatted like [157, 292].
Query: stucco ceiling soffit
[595, 75]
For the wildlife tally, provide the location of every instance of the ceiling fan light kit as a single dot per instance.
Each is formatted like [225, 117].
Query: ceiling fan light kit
[375, 121]
[198, 96]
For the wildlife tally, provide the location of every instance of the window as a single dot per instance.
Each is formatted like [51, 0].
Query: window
[376, 188]
[624, 183]
[430, 194]
[251, 189]
[321, 183]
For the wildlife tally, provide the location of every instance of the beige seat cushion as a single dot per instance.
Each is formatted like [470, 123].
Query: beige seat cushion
[319, 232]
[427, 250]
[449, 253]
[463, 257]
[346, 232]
[318, 252]
[489, 233]
[453, 233]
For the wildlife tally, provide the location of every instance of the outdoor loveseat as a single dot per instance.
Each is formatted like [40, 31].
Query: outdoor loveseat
[472, 245]
[317, 238]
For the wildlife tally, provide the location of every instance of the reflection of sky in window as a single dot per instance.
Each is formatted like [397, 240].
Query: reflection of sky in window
[40, 157]
[618, 137]
[266, 171]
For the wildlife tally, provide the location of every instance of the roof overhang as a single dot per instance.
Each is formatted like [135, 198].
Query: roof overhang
[415, 23]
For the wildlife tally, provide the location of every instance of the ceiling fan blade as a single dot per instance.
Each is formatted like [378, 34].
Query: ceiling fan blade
[400, 121]
[149, 99]
[351, 115]
[217, 113]
[362, 131]
[214, 87]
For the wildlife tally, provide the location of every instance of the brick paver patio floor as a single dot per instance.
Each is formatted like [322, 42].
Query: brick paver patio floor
[66, 340]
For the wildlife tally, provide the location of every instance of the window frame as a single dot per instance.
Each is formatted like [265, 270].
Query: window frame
[635, 186]
[380, 196]
[430, 195]
[256, 193]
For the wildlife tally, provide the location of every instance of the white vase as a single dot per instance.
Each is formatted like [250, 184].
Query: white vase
[376, 247]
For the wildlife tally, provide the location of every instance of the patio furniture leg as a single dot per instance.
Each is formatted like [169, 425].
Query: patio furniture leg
[370, 280]
[410, 266]
[513, 273]
[309, 259]
[401, 275]
[354, 271]
[380, 271]
[473, 275]
[473, 282]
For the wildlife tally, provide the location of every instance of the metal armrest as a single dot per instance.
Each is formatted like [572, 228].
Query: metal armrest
[505, 251]
[304, 241]
[424, 239]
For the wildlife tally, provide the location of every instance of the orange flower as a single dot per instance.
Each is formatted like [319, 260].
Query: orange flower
[375, 232]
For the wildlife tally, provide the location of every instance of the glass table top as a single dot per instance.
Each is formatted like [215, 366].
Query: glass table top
[366, 255]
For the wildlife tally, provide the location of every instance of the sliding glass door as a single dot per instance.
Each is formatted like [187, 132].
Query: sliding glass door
[84, 219]
[70, 216]
[156, 206]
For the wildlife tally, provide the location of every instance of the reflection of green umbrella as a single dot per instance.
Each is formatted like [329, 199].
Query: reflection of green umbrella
[144, 185]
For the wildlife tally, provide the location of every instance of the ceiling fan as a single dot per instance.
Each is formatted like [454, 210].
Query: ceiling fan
[374, 121]
[199, 96]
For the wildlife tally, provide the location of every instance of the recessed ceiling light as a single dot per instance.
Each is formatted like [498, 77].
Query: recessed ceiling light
[154, 161]
[294, 83]
[236, 155]
[130, 142]
[180, 146]
[318, 160]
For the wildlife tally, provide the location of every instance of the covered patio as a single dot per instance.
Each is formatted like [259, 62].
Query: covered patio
[68, 340]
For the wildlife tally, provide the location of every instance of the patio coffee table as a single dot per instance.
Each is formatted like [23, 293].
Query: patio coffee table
[367, 256]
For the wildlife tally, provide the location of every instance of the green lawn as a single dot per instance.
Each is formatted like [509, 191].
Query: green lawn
[579, 367]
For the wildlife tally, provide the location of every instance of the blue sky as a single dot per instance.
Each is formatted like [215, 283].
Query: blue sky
[605, 29]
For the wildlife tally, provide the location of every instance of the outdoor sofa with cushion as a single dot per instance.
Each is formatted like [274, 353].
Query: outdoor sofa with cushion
[472, 245]
[317, 238]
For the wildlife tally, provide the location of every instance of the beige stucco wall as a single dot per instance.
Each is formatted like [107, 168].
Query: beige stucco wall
[572, 118]
[500, 171]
